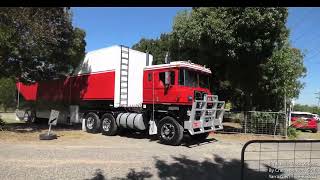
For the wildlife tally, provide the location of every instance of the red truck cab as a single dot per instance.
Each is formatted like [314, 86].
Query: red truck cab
[184, 84]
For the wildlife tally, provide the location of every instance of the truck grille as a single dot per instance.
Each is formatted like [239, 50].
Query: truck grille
[198, 95]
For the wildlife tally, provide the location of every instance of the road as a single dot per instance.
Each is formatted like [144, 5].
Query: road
[117, 157]
[80, 155]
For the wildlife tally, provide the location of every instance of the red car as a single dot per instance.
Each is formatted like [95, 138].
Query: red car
[304, 121]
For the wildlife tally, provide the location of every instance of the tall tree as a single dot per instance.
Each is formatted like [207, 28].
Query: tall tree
[244, 47]
[280, 78]
[156, 47]
[233, 42]
[39, 43]
[7, 93]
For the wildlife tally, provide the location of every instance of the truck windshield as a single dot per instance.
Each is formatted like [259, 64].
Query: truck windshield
[192, 78]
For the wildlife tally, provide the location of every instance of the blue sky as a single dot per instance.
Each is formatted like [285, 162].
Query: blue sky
[110, 26]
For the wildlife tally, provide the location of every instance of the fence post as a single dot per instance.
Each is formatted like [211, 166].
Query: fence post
[286, 126]
[245, 121]
[275, 125]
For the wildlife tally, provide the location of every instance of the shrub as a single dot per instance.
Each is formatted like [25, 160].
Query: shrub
[293, 133]
[264, 123]
[2, 123]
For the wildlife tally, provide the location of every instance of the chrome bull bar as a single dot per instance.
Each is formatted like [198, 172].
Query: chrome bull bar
[206, 115]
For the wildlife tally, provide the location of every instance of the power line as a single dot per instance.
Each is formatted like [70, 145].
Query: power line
[301, 22]
[302, 19]
[317, 35]
[314, 55]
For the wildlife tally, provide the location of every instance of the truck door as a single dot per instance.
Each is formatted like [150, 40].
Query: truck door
[166, 87]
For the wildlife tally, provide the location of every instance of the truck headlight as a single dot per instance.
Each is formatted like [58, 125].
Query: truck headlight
[189, 98]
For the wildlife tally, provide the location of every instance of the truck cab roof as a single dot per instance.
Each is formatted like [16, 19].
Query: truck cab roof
[186, 64]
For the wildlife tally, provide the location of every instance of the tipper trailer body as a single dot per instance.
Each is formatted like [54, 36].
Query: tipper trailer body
[118, 88]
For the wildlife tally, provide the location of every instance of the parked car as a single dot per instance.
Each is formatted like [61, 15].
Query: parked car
[304, 121]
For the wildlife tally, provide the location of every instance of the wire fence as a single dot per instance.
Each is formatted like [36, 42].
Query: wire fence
[255, 122]
[280, 159]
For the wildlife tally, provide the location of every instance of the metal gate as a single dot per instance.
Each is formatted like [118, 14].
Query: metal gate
[280, 159]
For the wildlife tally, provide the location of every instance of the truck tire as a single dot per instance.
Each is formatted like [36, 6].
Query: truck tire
[108, 125]
[92, 123]
[200, 137]
[314, 130]
[30, 116]
[170, 131]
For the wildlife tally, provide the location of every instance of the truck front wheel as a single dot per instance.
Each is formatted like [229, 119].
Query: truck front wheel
[108, 124]
[314, 130]
[170, 131]
[92, 122]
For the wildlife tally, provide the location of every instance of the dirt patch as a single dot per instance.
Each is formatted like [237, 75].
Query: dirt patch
[242, 137]
[308, 135]
[31, 135]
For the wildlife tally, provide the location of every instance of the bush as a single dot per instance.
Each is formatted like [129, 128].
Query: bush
[293, 133]
[2, 123]
[264, 123]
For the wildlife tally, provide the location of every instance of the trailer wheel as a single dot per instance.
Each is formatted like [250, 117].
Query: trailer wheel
[30, 116]
[200, 137]
[92, 123]
[108, 125]
[170, 131]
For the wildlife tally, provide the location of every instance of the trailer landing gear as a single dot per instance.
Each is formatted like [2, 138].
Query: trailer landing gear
[170, 131]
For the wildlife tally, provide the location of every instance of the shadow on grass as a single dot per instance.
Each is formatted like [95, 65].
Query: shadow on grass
[230, 129]
[137, 135]
[131, 175]
[183, 168]
[187, 141]
[21, 127]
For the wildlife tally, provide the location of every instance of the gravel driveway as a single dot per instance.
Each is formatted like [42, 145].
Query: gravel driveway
[131, 156]
[80, 155]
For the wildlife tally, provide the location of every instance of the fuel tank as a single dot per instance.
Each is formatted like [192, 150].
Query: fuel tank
[131, 121]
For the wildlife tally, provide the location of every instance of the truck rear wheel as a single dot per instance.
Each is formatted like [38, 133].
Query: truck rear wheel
[170, 131]
[92, 122]
[108, 124]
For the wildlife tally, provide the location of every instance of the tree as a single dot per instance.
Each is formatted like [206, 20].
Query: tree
[253, 64]
[157, 47]
[234, 42]
[280, 77]
[306, 108]
[7, 93]
[39, 43]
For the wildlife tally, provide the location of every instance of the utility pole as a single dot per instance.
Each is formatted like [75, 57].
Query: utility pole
[318, 97]
[285, 102]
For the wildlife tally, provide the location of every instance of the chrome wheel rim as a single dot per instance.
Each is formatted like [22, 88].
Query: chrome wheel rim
[167, 131]
[90, 123]
[106, 124]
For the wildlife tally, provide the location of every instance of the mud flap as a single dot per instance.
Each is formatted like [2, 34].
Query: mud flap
[152, 128]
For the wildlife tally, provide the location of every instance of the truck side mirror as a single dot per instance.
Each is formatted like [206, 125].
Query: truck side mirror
[167, 78]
